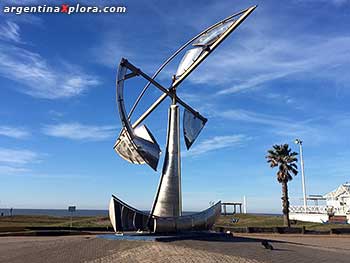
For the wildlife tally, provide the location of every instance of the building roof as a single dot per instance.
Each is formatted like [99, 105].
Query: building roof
[342, 190]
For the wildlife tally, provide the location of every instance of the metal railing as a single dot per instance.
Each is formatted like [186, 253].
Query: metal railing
[309, 209]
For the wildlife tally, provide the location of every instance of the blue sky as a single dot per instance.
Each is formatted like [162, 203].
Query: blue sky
[282, 74]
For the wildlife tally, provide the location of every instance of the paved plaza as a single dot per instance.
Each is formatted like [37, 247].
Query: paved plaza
[242, 248]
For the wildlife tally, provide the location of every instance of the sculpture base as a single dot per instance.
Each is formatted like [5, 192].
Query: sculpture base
[126, 218]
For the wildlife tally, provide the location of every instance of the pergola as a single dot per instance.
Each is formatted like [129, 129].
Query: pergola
[234, 204]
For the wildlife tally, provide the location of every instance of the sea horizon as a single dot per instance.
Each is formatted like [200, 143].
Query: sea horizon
[80, 212]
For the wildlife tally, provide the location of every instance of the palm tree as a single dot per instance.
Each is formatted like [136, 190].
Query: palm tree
[283, 157]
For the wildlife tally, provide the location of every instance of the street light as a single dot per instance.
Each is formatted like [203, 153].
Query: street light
[300, 142]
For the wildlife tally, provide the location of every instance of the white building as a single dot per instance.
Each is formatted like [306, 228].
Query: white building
[337, 208]
[339, 200]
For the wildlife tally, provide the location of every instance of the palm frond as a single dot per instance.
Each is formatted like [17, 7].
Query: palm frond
[283, 157]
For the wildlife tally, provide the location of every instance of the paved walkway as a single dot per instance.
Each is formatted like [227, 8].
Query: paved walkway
[239, 249]
[163, 252]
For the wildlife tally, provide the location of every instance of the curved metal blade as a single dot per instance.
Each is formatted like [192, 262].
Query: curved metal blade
[190, 56]
[207, 41]
[136, 145]
[140, 148]
[210, 40]
[210, 36]
[192, 126]
[126, 148]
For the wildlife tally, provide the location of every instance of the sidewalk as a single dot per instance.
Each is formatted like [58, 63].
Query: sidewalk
[242, 249]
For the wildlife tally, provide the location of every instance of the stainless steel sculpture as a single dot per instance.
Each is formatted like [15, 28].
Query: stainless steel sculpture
[136, 143]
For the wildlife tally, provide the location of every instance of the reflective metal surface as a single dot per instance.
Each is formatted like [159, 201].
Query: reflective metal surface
[191, 41]
[126, 218]
[125, 147]
[192, 126]
[168, 198]
[137, 145]
[209, 49]
[134, 145]
[147, 146]
[142, 149]
[241, 16]
[188, 59]
[195, 222]
[209, 37]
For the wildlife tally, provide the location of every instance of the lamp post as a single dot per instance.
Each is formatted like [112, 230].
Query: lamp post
[300, 142]
[244, 205]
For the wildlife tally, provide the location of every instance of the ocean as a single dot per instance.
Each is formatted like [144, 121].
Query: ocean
[54, 212]
[61, 212]
[80, 212]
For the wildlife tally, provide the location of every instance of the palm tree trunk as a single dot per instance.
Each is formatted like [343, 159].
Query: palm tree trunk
[285, 204]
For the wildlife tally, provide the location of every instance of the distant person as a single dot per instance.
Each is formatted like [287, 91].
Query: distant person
[11, 211]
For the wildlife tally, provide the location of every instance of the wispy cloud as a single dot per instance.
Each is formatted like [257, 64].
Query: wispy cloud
[190, 97]
[14, 132]
[55, 114]
[110, 52]
[16, 161]
[10, 31]
[112, 48]
[257, 65]
[78, 131]
[9, 170]
[278, 125]
[217, 143]
[333, 2]
[259, 56]
[29, 19]
[315, 130]
[281, 98]
[40, 80]
[253, 117]
[17, 156]
[37, 76]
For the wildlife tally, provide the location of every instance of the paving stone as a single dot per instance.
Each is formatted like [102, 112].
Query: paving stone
[241, 249]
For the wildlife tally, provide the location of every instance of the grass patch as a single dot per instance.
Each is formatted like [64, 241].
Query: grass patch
[251, 220]
[52, 221]
[244, 220]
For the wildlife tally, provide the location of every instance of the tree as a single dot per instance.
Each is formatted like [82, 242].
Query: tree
[283, 157]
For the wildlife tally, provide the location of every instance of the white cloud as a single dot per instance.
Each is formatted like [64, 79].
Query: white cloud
[40, 79]
[31, 19]
[255, 65]
[276, 124]
[216, 143]
[56, 114]
[14, 132]
[259, 56]
[254, 82]
[10, 32]
[249, 116]
[189, 97]
[334, 2]
[9, 170]
[110, 49]
[16, 161]
[77, 131]
[17, 156]
[37, 76]
[315, 131]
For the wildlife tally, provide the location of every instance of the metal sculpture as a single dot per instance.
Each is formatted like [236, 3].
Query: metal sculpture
[136, 143]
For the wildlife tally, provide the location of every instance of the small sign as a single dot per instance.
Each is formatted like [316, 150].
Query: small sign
[71, 208]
